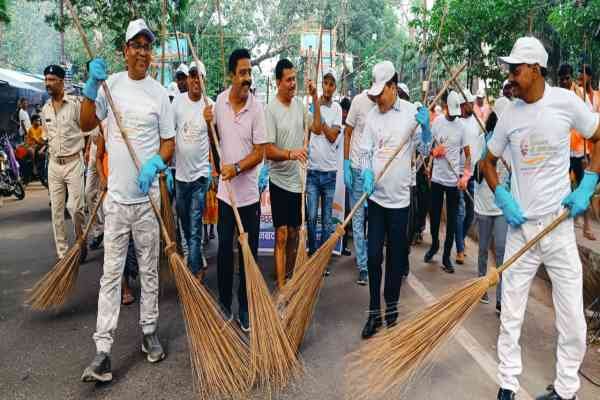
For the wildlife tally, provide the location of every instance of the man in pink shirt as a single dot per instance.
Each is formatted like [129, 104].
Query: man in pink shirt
[481, 109]
[240, 125]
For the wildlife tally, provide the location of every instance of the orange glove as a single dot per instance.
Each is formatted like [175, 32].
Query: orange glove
[439, 151]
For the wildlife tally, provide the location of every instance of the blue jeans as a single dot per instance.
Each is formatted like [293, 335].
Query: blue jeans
[464, 217]
[491, 227]
[320, 186]
[358, 221]
[190, 206]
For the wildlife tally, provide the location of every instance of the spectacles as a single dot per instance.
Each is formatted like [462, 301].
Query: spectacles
[140, 46]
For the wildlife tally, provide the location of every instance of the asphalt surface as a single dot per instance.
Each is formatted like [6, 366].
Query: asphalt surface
[44, 354]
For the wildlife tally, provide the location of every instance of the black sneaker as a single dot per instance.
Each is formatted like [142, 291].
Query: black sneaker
[505, 394]
[552, 395]
[83, 254]
[152, 347]
[498, 308]
[485, 299]
[391, 317]
[363, 278]
[227, 314]
[372, 326]
[429, 255]
[346, 252]
[327, 272]
[96, 242]
[244, 321]
[447, 265]
[98, 370]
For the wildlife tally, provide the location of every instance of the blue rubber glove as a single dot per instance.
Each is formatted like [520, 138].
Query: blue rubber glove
[170, 181]
[96, 74]
[148, 172]
[368, 177]
[263, 178]
[579, 200]
[510, 208]
[347, 174]
[422, 118]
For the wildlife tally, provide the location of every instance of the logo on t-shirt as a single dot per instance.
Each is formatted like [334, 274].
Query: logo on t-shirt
[535, 150]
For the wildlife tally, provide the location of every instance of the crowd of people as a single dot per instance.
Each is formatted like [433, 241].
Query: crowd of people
[407, 157]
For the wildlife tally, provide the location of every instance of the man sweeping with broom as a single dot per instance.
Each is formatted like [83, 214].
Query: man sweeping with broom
[535, 128]
[388, 125]
[146, 114]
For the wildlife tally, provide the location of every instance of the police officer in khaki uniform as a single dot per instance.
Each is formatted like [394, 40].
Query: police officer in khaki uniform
[60, 121]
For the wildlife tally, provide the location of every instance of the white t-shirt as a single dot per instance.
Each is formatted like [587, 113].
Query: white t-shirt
[485, 203]
[452, 135]
[537, 136]
[383, 133]
[191, 140]
[356, 118]
[24, 122]
[147, 117]
[323, 154]
[473, 138]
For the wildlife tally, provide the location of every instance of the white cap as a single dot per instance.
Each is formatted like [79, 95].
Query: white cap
[136, 27]
[418, 104]
[469, 98]
[183, 68]
[527, 50]
[330, 71]
[453, 102]
[500, 105]
[480, 93]
[382, 73]
[437, 109]
[201, 68]
[404, 88]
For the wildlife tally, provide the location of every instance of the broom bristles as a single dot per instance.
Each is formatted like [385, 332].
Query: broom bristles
[388, 361]
[301, 253]
[218, 354]
[273, 361]
[298, 298]
[57, 284]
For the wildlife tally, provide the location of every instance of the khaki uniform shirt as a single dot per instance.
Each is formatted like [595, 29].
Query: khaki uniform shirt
[62, 130]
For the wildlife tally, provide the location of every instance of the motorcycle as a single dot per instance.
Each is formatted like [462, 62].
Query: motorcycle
[27, 167]
[10, 177]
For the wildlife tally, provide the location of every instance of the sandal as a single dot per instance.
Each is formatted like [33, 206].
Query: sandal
[589, 235]
[127, 299]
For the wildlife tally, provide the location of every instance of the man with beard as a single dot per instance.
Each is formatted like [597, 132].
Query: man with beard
[60, 122]
[147, 117]
[535, 128]
[240, 124]
[286, 119]
[192, 175]
[181, 75]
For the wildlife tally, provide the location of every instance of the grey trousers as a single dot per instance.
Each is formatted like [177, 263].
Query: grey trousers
[119, 221]
[496, 227]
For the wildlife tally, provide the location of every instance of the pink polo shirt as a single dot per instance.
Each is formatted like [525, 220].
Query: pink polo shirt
[239, 132]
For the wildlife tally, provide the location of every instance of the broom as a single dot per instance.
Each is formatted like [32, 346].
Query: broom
[391, 358]
[217, 351]
[273, 361]
[58, 283]
[297, 300]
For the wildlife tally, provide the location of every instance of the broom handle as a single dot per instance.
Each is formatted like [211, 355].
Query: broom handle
[86, 231]
[304, 172]
[109, 99]
[386, 166]
[236, 213]
[458, 177]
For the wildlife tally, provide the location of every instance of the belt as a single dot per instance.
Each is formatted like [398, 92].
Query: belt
[66, 159]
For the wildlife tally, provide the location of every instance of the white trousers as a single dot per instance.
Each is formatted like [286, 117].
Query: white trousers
[62, 179]
[119, 221]
[558, 252]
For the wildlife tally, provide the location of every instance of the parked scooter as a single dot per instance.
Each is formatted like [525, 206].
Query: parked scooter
[10, 177]
[27, 169]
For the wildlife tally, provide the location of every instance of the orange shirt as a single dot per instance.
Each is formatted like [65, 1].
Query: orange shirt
[34, 136]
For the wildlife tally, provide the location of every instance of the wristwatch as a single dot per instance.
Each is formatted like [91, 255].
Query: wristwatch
[237, 168]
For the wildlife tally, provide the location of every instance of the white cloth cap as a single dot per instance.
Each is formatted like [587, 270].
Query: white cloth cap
[136, 27]
[201, 68]
[470, 98]
[183, 68]
[382, 73]
[454, 101]
[330, 71]
[418, 104]
[527, 50]
[500, 105]
[404, 88]
[480, 93]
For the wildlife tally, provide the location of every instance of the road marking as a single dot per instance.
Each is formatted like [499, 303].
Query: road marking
[465, 339]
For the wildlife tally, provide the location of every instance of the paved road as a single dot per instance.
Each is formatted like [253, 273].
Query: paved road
[43, 354]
